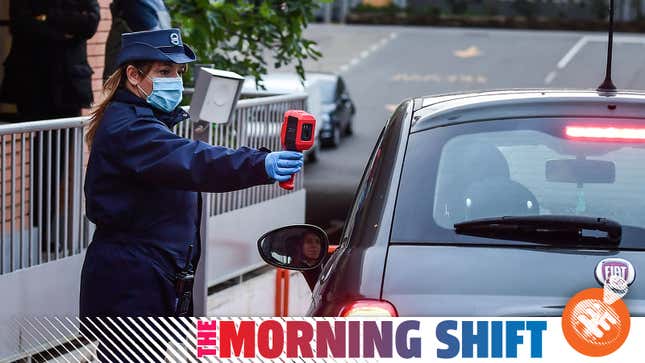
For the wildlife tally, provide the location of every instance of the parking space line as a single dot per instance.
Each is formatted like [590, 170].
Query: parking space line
[550, 77]
[366, 53]
[572, 52]
[575, 49]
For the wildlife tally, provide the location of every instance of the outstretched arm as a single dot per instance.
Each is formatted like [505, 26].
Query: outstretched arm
[150, 152]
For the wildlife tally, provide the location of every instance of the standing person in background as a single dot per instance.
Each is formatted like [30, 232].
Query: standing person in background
[47, 76]
[46, 72]
[132, 16]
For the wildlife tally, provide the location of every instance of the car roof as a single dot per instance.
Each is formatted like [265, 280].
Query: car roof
[285, 82]
[441, 110]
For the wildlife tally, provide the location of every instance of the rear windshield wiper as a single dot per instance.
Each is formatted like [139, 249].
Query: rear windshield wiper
[546, 229]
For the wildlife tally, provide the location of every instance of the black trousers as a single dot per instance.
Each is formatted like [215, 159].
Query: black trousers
[126, 280]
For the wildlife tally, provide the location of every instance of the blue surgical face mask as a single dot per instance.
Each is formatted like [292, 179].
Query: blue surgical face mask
[166, 93]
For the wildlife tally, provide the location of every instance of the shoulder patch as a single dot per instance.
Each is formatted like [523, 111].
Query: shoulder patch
[143, 111]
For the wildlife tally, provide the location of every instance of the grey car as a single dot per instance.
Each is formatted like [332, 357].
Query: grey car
[500, 203]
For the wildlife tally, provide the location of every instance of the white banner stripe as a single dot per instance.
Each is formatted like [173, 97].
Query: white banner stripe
[112, 342]
[35, 347]
[182, 335]
[42, 336]
[172, 349]
[72, 348]
[176, 357]
[91, 354]
[104, 346]
[132, 343]
[154, 332]
[191, 326]
[49, 345]
[169, 348]
[147, 335]
[72, 342]
[103, 343]
[169, 338]
[188, 337]
[147, 347]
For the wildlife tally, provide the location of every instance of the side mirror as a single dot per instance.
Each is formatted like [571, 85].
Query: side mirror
[297, 247]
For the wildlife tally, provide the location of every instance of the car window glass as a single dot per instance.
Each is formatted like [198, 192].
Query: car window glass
[514, 168]
[363, 188]
[327, 90]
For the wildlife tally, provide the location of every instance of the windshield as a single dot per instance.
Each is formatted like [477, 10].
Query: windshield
[516, 168]
[327, 90]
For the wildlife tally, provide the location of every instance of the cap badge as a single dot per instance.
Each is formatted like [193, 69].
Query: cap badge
[174, 38]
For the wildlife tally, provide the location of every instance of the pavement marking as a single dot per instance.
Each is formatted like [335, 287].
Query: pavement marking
[367, 52]
[568, 57]
[550, 77]
[470, 52]
[572, 52]
[438, 78]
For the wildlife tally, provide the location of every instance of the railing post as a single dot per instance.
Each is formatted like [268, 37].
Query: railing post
[202, 131]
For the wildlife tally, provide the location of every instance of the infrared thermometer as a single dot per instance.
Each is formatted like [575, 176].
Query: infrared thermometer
[297, 135]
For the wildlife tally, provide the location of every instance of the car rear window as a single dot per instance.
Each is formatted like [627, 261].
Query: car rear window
[485, 169]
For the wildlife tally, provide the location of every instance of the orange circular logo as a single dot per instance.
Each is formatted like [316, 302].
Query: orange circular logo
[595, 324]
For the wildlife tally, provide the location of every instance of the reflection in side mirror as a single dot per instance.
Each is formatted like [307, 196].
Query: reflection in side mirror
[297, 247]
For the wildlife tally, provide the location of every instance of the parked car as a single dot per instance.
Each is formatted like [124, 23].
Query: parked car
[329, 100]
[502, 203]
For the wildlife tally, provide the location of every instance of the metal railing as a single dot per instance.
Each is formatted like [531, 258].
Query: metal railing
[42, 172]
[41, 182]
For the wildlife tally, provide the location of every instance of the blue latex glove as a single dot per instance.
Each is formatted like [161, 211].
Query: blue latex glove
[280, 165]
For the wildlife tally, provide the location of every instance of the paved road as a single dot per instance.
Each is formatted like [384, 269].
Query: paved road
[384, 65]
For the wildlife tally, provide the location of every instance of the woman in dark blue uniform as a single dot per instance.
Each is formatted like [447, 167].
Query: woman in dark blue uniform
[143, 182]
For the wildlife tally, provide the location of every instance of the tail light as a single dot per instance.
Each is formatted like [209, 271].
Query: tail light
[368, 308]
[606, 133]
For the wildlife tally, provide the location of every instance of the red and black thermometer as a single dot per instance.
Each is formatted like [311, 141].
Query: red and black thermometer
[297, 135]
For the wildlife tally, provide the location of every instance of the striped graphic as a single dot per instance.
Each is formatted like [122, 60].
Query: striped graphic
[107, 339]
[134, 340]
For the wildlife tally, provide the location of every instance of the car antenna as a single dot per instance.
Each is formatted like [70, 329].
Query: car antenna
[607, 85]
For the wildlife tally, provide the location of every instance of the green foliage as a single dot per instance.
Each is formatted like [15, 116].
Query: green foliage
[239, 35]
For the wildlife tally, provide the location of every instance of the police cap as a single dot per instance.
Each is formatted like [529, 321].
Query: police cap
[154, 45]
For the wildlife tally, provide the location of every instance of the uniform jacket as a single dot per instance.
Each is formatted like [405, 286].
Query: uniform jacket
[47, 65]
[141, 191]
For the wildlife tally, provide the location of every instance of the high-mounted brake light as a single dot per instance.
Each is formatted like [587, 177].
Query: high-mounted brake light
[368, 308]
[606, 133]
